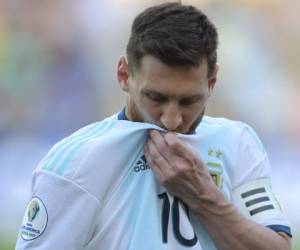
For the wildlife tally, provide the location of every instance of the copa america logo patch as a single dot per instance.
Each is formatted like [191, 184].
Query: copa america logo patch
[35, 219]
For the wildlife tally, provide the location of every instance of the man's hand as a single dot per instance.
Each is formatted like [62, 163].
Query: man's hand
[179, 169]
[184, 175]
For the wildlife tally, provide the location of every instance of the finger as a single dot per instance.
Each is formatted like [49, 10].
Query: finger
[157, 171]
[180, 148]
[161, 145]
[157, 157]
[162, 170]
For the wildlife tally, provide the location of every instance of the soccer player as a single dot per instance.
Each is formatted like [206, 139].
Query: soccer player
[158, 175]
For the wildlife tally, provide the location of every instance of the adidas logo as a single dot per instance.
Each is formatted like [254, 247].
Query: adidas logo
[141, 165]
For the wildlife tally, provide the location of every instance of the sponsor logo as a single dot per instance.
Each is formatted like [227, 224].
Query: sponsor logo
[141, 165]
[35, 219]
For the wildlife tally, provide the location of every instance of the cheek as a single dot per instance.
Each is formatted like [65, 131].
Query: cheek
[192, 114]
[145, 111]
[151, 111]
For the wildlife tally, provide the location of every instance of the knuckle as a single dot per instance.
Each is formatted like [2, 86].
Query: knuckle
[155, 154]
[163, 147]
[168, 179]
[170, 139]
[176, 145]
[173, 144]
[181, 170]
[148, 158]
[181, 166]
[164, 181]
[160, 160]
[152, 150]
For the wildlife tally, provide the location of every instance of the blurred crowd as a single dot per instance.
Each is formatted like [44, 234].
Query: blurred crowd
[57, 74]
[57, 62]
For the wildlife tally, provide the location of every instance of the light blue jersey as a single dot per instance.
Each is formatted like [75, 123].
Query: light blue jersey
[94, 190]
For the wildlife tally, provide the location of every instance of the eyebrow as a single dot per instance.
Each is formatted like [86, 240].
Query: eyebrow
[149, 91]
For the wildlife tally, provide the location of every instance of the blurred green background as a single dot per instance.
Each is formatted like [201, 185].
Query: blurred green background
[57, 74]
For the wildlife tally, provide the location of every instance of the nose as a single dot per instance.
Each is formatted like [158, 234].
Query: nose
[171, 117]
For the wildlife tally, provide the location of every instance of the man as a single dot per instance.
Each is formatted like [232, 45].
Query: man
[160, 174]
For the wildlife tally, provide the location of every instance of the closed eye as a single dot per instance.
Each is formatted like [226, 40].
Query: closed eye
[156, 97]
[189, 101]
[161, 98]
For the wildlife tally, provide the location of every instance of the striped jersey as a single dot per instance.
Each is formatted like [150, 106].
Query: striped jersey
[94, 190]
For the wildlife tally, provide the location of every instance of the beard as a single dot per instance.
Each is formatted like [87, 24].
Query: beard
[133, 113]
[192, 128]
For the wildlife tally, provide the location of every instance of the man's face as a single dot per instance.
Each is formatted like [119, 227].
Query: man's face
[173, 98]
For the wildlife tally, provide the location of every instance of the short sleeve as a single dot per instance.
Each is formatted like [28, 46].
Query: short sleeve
[60, 215]
[252, 187]
[251, 159]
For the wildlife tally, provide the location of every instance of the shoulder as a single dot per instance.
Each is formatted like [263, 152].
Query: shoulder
[228, 128]
[97, 156]
[219, 123]
[62, 156]
[224, 128]
[70, 160]
[242, 134]
[243, 150]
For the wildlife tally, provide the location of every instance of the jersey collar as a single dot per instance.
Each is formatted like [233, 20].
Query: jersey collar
[122, 115]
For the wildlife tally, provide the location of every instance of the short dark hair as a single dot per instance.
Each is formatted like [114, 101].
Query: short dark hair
[176, 34]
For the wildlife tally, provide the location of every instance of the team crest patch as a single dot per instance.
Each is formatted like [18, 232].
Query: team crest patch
[35, 219]
[216, 172]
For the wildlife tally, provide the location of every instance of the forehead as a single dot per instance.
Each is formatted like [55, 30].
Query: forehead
[153, 74]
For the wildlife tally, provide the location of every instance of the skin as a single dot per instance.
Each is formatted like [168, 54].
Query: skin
[172, 98]
[175, 98]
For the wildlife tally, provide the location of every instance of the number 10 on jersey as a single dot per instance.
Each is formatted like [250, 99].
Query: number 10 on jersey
[173, 209]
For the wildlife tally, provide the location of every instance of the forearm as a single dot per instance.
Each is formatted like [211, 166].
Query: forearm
[185, 176]
[231, 230]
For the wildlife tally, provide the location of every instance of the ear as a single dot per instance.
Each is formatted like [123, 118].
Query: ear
[123, 73]
[213, 79]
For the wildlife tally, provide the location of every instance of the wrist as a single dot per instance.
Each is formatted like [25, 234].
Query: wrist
[212, 204]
